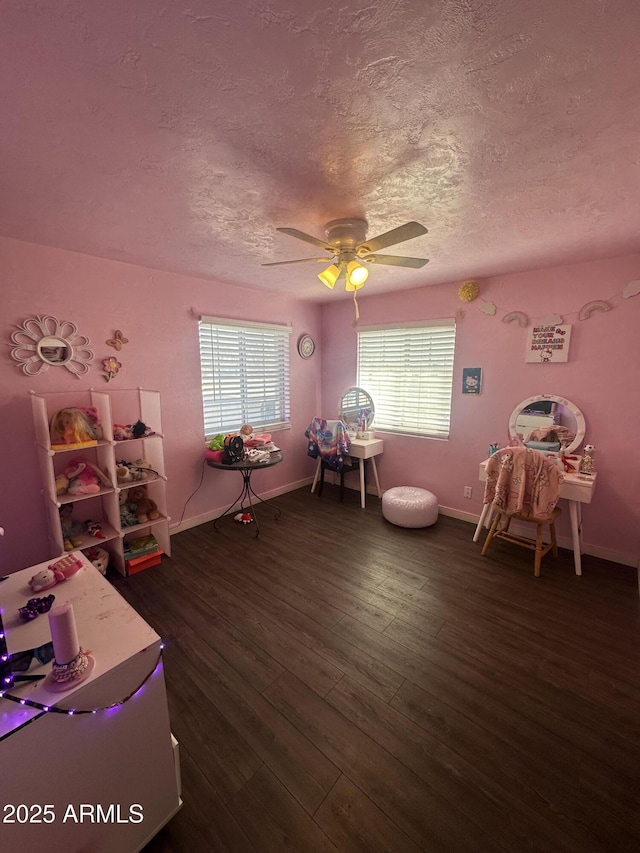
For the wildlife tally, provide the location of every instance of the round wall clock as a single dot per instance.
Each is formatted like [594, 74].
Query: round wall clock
[306, 346]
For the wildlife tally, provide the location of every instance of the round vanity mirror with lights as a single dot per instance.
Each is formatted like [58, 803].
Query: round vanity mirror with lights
[356, 409]
[548, 419]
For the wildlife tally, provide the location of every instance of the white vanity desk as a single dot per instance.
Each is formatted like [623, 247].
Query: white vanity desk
[357, 412]
[548, 410]
[367, 448]
[577, 489]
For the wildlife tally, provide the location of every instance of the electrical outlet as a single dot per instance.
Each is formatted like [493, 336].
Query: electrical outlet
[467, 491]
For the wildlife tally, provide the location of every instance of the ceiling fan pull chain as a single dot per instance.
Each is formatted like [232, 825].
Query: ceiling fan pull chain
[355, 304]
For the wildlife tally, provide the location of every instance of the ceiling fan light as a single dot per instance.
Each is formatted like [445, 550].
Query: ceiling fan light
[356, 275]
[329, 276]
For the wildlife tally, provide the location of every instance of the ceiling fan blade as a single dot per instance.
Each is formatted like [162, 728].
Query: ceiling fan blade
[293, 232]
[298, 261]
[395, 261]
[390, 238]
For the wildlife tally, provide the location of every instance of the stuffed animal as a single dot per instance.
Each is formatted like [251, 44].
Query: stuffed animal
[84, 478]
[99, 557]
[124, 472]
[75, 426]
[94, 528]
[145, 508]
[127, 511]
[62, 484]
[71, 529]
[125, 432]
[128, 472]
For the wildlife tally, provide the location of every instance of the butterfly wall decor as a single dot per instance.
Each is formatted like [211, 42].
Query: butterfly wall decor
[117, 341]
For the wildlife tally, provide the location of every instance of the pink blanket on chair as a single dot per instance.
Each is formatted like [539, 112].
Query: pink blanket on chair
[522, 480]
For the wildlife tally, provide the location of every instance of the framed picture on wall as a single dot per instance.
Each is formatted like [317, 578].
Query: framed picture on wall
[471, 380]
[548, 344]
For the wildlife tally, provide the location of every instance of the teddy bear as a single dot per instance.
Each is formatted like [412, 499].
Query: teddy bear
[71, 529]
[145, 508]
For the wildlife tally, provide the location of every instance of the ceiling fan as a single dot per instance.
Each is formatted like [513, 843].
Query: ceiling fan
[349, 249]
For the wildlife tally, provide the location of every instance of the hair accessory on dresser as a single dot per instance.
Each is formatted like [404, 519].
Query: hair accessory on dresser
[35, 606]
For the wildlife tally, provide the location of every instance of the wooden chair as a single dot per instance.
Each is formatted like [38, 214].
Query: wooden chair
[522, 484]
[537, 544]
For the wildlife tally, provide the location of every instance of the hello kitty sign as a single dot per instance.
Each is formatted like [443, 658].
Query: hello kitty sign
[548, 343]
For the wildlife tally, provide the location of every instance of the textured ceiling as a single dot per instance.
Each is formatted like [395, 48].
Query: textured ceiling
[180, 135]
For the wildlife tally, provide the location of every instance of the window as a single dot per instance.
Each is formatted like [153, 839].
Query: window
[408, 370]
[245, 375]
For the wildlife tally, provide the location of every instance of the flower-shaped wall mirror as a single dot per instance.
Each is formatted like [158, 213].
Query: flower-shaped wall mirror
[44, 341]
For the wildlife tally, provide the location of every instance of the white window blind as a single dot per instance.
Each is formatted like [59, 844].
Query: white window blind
[245, 375]
[408, 370]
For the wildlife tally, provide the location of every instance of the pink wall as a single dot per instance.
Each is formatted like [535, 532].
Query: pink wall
[601, 378]
[153, 309]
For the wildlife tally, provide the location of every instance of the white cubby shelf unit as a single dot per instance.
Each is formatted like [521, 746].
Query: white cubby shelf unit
[122, 406]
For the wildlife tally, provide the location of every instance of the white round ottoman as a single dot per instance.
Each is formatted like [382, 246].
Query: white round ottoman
[408, 506]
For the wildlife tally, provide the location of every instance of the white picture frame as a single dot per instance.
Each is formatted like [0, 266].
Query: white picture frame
[548, 344]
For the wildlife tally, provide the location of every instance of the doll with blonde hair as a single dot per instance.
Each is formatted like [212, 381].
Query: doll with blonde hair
[73, 426]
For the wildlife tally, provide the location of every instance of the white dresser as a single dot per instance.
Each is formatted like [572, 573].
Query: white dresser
[123, 759]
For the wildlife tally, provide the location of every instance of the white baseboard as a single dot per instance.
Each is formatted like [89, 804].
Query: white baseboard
[469, 517]
[211, 515]
[563, 541]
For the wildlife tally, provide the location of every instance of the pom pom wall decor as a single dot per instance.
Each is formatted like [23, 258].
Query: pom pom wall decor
[468, 291]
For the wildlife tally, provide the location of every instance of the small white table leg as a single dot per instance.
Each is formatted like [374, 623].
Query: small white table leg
[375, 475]
[362, 488]
[481, 521]
[576, 525]
[315, 479]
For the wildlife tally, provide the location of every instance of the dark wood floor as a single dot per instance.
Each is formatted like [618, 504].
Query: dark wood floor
[343, 684]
